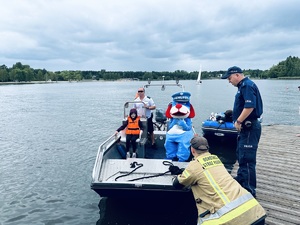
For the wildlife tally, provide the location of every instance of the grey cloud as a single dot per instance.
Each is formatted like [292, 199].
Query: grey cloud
[153, 35]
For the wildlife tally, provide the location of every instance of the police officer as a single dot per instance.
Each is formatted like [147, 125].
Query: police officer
[219, 198]
[248, 107]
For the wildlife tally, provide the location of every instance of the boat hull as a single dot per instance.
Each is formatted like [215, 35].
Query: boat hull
[146, 191]
[222, 140]
[117, 177]
[223, 130]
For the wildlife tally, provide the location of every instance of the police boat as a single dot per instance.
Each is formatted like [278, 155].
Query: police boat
[150, 174]
[220, 125]
[221, 135]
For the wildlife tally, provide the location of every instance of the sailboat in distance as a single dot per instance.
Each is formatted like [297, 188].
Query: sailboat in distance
[199, 76]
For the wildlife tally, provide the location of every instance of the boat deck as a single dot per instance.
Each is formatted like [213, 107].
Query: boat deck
[120, 170]
[278, 174]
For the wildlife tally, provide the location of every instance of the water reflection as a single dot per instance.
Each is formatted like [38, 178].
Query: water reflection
[148, 211]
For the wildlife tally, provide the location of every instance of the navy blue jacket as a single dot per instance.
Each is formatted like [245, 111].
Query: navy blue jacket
[248, 96]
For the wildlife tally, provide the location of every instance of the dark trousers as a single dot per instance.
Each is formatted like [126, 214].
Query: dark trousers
[150, 127]
[246, 155]
[131, 140]
[260, 221]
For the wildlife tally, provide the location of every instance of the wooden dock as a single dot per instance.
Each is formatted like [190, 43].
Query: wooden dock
[278, 174]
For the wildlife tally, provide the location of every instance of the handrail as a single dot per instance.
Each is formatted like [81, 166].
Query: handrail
[127, 104]
[99, 157]
[164, 85]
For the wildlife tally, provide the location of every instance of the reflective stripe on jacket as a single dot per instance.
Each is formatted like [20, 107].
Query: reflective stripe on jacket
[230, 211]
[220, 199]
[133, 126]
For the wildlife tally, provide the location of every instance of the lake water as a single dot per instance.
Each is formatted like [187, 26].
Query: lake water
[50, 133]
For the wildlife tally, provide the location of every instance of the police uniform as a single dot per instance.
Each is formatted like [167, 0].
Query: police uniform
[248, 96]
[219, 198]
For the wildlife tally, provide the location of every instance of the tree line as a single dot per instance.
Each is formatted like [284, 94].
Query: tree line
[287, 69]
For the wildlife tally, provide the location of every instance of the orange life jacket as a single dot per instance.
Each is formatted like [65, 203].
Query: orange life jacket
[133, 126]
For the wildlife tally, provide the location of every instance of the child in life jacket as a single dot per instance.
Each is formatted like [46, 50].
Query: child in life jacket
[133, 127]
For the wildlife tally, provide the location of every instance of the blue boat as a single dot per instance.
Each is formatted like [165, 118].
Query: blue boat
[220, 125]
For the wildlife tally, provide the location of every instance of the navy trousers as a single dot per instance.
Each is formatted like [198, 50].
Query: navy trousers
[247, 145]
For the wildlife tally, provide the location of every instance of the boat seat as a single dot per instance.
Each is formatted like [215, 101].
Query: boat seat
[140, 143]
[123, 136]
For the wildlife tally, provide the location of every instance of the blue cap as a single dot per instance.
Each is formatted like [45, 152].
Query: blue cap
[232, 70]
[181, 96]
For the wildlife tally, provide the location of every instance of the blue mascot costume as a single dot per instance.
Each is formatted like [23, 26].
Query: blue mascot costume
[180, 131]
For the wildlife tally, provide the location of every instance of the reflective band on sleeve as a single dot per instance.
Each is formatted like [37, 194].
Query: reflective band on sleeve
[230, 211]
[186, 174]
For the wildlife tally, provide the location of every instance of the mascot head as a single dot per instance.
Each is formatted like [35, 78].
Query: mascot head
[180, 107]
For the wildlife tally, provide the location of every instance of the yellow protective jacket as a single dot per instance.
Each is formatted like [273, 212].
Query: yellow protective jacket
[133, 126]
[219, 198]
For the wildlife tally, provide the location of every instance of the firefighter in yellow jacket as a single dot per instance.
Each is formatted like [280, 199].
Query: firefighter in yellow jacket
[219, 198]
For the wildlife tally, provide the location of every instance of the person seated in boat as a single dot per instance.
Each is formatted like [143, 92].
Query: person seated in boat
[180, 132]
[134, 128]
[219, 198]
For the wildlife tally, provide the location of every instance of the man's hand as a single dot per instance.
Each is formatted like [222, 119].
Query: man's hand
[238, 126]
[175, 170]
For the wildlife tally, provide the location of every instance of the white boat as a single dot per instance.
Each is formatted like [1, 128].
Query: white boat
[148, 174]
[199, 81]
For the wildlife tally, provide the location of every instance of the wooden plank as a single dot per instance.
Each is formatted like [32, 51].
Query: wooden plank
[278, 174]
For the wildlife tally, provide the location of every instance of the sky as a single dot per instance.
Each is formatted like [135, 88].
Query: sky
[148, 35]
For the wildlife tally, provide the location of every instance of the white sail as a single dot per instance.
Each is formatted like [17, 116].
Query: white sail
[199, 76]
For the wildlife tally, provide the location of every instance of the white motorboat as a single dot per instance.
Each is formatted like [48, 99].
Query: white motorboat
[148, 174]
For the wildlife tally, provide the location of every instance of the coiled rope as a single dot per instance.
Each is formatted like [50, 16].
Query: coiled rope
[139, 165]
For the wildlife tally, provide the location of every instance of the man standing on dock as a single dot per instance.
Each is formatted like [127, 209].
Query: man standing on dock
[248, 108]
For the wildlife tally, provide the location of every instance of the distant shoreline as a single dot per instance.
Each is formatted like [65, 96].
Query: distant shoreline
[75, 81]
[19, 83]
[45, 82]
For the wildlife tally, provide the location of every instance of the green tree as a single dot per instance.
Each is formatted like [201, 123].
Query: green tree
[29, 74]
[4, 77]
[147, 75]
[287, 68]
[18, 65]
[40, 76]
